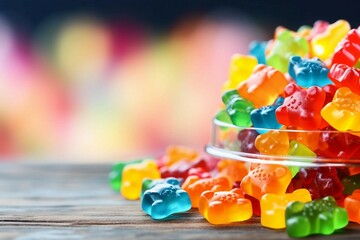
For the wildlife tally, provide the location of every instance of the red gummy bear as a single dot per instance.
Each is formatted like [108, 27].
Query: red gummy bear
[320, 182]
[182, 168]
[338, 145]
[301, 107]
[348, 50]
[344, 76]
[247, 139]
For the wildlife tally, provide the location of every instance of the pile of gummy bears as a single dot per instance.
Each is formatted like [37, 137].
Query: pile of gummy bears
[305, 80]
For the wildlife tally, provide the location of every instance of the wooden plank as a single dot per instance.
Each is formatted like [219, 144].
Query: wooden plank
[74, 201]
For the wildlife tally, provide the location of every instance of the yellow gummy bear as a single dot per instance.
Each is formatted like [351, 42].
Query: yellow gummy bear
[324, 44]
[273, 207]
[343, 113]
[241, 67]
[133, 175]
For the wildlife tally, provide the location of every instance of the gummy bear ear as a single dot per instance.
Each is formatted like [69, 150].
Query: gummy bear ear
[313, 92]
[295, 60]
[280, 171]
[173, 181]
[291, 88]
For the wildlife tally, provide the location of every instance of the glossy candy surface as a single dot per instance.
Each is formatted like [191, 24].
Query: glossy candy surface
[322, 216]
[273, 207]
[196, 186]
[273, 143]
[115, 176]
[238, 108]
[302, 107]
[133, 176]
[344, 76]
[257, 49]
[285, 45]
[308, 72]
[348, 50]
[265, 117]
[224, 207]
[352, 206]
[150, 183]
[241, 67]
[343, 113]
[165, 199]
[266, 179]
[264, 86]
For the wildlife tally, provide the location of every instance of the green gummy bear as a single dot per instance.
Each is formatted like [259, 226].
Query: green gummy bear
[238, 108]
[115, 176]
[286, 44]
[299, 150]
[321, 216]
[351, 183]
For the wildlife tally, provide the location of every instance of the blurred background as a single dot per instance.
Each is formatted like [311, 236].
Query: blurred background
[109, 80]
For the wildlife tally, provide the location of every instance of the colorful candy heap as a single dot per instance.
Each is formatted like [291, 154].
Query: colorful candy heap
[303, 81]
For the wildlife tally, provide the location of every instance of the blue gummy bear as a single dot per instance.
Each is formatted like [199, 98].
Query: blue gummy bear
[308, 72]
[165, 199]
[150, 183]
[257, 49]
[264, 118]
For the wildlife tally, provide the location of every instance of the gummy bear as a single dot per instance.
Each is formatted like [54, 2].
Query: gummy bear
[308, 72]
[225, 206]
[338, 145]
[348, 50]
[319, 26]
[297, 149]
[266, 178]
[234, 170]
[302, 107]
[181, 168]
[285, 45]
[175, 153]
[352, 204]
[263, 87]
[247, 139]
[196, 186]
[345, 76]
[133, 176]
[321, 216]
[324, 44]
[223, 116]
[264, 118]
[257, 49]
[165, 199]
[150, 183]
[343, 113]
[273, 207]
[273, 143]
[238, 108]
[351, 183]
[115, 176]
[321, 182]
[241, 68]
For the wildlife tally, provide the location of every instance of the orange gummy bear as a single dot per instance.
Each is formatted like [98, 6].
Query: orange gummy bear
[225, 206]
[352, 205]
[264, 86]
[176, 153]
[234, 170]
[275, 142]
[196, 186]
[266, 178]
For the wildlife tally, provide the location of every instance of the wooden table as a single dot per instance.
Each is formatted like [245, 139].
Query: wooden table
[74, 201]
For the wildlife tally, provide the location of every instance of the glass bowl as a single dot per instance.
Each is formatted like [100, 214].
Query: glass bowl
[331, 148]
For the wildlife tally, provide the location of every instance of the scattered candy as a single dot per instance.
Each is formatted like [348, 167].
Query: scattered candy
[273, 207]
[295, 97]
[225, 206]
[321, 216]
[133, 175]
[165, 199]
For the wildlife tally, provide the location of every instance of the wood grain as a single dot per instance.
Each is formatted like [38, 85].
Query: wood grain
[74, 201]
